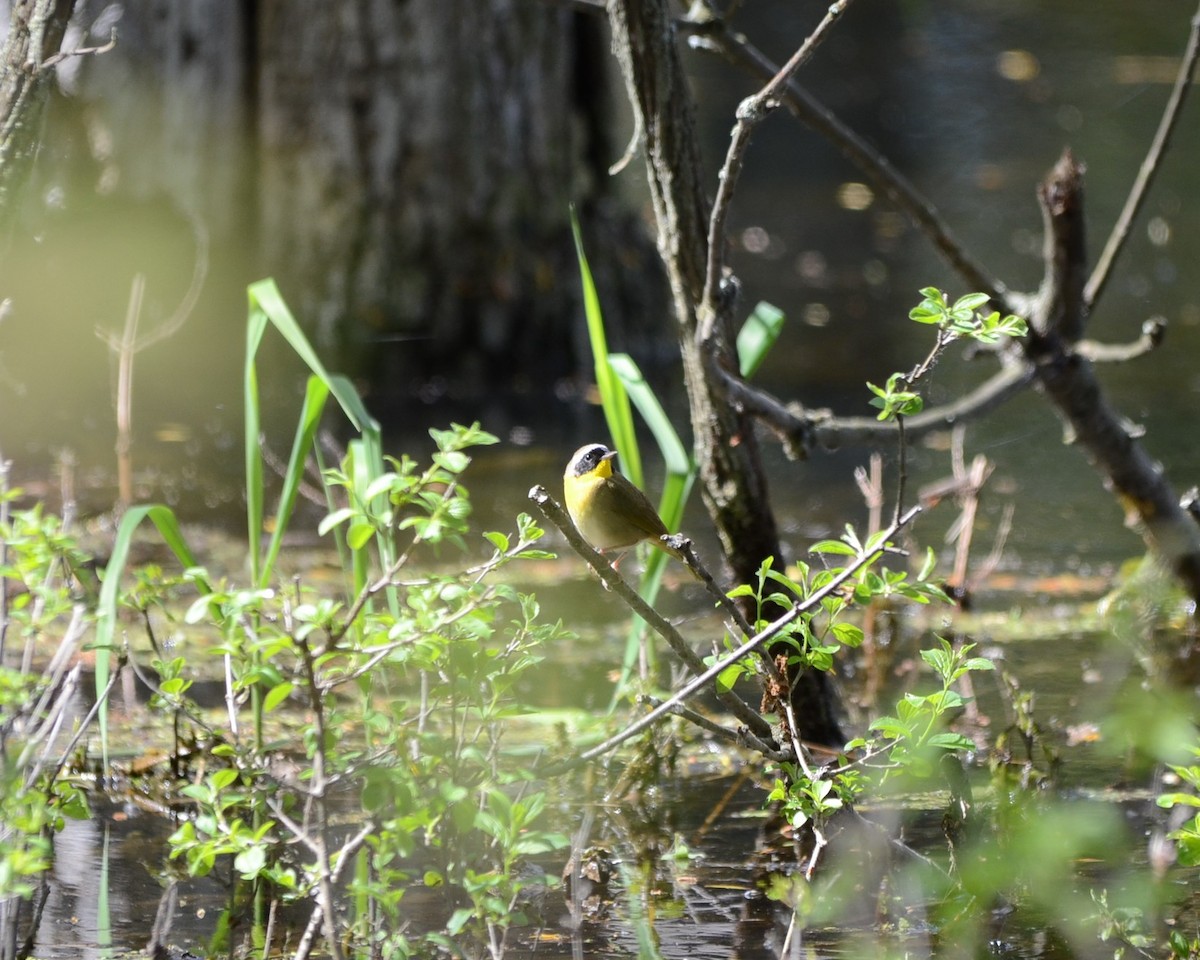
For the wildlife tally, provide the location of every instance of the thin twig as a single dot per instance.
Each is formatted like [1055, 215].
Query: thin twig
[992, 561]
[41, 738]
[179, 706]
[55, 671]
[688, 549]
[801, 757]
[81, 52]
[86, 722]
[802, 429]
[738, 51]
[1149, 168]
[902, 466]
[1153, 331]
[731, 737]
[750, 113]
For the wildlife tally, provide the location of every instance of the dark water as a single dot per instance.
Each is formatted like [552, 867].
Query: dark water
[974, 102]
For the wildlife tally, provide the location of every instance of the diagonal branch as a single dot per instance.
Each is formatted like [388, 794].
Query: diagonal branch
[614, 582]
[751, 645]
[1150, 166]
[740, 52]
[750, 113]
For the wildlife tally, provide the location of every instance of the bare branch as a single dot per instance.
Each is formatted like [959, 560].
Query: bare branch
[724, 734]
[81, 51]
[1153, 331]
[738, 51]
[554, 512]
[1069, 381]
[1150, 165]
[750, 113]
[801, 430]
[750, 646]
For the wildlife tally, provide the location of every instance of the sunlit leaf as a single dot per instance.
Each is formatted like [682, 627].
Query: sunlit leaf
[757, 336]
[276, 695]
[834, 547]
[250, 861]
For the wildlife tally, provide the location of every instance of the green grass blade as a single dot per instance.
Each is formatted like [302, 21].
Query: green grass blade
[315, 396]
[266, 299]
[361, 473]
[346, 395]
[106, 612]
[267, 306]
[256, 325]
[677, 485]
[613, 399]
[757, 336]
[678, 462]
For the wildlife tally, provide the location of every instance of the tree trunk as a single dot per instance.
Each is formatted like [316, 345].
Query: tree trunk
[404, 170]
[35, 33]
[732, 479]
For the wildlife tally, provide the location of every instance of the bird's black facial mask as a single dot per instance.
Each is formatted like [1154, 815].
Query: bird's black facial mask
[590, 459]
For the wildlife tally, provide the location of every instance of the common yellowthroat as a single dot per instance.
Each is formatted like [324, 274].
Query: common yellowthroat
[606, 507]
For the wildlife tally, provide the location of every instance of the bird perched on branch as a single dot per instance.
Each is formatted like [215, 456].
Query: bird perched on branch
[606, 508]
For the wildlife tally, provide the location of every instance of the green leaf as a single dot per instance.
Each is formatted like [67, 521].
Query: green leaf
[848, 634]
[333, 519]
[220, 779]
[890, 727]
[757, 336]
[276, 695]
[497, 540]
[360, 533]
[459, 919]
[250, 862]
[383, 484]
[729, 676]
[1171, 799]
[971, 301]
[833, 546]
[926, 314]
[951, 741]
[614, 401]
[455, 462]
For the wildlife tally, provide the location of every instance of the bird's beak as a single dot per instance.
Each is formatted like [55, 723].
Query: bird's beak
[609, 455]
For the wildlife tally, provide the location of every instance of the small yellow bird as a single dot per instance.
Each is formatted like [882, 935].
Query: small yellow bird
[606, 507]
